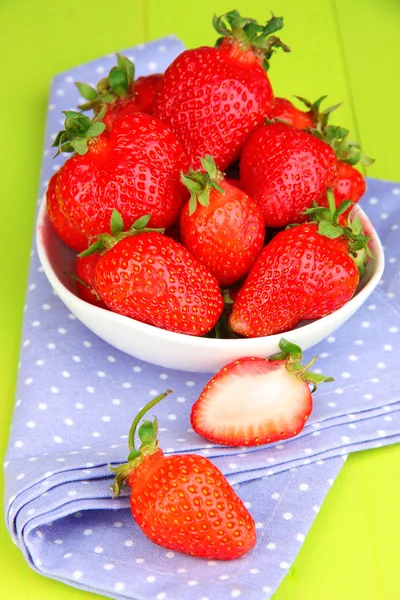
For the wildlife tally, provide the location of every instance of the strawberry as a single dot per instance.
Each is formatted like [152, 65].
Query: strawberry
[313, 118]
[119, 92]
[85, 285]
[286, 111]
[63, 227]
[150, 277]
[220, 224]
[182, 502]
[133, 167]
[213, 98]
[305, 272]
[254, 401]
[285, 170]
[350, 184]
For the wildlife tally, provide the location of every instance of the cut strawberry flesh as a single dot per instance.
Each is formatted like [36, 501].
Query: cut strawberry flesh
[251, 402]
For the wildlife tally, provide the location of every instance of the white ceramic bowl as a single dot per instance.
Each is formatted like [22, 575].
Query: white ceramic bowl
[178, 351]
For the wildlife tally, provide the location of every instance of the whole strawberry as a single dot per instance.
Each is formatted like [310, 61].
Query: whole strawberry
[312, 118]
[150, 277]
[133, 167]
[213, 98]
[183, 502]
[120, 93]
[305, 272]
[85, 285]
[285, 170]
[220, 224]
[350, 184]
[254, 401]
[64, 228]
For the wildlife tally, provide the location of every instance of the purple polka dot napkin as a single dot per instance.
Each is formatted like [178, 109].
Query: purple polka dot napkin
[76, 397]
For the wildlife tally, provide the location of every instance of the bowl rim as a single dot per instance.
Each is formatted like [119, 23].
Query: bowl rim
[197, 341]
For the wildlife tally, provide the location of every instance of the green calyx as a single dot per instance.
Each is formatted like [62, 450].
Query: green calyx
[105, 241]
[336, 136]
[292, 354]
[330, 227]
[345, 149]
[118, 84]
[200, 183]
[250, 34]
[149, 444]
[79, 129]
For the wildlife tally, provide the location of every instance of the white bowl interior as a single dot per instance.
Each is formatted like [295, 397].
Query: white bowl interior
[178, 351]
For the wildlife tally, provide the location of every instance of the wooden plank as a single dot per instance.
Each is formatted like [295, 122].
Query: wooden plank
[370, 44]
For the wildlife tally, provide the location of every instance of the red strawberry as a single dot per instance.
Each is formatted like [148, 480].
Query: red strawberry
[284, 110]
[220, 224]
[64, 228]
[85, 286]
[313, 118]
[350, 184]
[301, 274]
[213, 98]
[183, 502]
[254, 401]
[285, 170]
[150, 277]
[133, 167]
[120, 93]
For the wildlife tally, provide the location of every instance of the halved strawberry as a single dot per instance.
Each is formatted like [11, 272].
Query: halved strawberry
[254, 401]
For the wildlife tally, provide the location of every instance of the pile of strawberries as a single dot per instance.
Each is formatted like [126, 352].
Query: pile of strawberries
[199, 203]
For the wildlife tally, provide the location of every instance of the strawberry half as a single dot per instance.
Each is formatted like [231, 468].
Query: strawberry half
[254, 401]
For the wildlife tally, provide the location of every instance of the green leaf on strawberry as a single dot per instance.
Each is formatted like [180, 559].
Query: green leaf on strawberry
[250, 34]
[79, 129]
[118, 84]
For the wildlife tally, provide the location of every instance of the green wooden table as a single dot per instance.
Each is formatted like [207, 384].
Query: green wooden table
[348, 50]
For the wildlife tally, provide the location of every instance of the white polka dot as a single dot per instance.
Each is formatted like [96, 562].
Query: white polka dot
[54, 389]
[77, 574]
[365, 324]
[381, 365]
[68, 422]
[284, 565]
[118, 587]
[192, 582]
[58, 542]
[181, 399]
[66, 374]
[331, 339]
[345, 439]
[304, 487]
[373, 200]
[111, 359]
[88, 532]
[346, 375]
[287, 516]
[76, 359]
[20, 476]
[393, 329]
[150, 578]
[128, 543]
[338, 390]
[300, 537]
[31, 424]
[271, 546]
[353, 357]
[79, 405]
[235, 593]
[116, 401]
[108, 566]
[259, 525]
[137, 369]
[57, 439]
[172, 417]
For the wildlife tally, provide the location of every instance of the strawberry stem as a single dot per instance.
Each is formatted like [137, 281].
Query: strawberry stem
[292, 354]
[141, 413]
